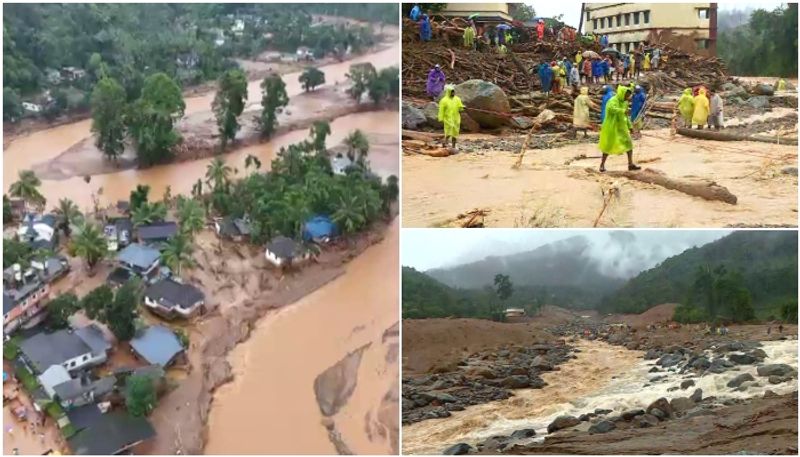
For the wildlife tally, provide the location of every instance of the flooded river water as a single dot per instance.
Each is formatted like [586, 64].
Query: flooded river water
[602, 376]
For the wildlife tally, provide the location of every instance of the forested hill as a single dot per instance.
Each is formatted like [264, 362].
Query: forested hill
[565, 263]
[766, 260]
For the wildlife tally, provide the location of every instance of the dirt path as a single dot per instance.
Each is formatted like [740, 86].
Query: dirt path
[546, 192]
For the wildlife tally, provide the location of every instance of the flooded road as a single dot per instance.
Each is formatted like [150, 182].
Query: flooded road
[44, 145]
[270, 406]
[602, 376]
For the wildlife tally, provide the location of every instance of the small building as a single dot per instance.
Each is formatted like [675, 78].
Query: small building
[340, 164]
[157, 233]
[118, 233]
[170, 299]
[139, 259]
[82, 417]
[233, 228]
[319, 229]
[72, 73]
[112, 434]
[118, 277]
[52, 377]
[74, 350]
[24, 292]
[38, 230]
[157, 345]
[304, 53]
[83, 391]
[238, 27]
[282, 251]
[53, 76]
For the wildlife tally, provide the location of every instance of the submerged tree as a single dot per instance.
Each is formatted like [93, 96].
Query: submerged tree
[273, 97]
[152, 119]
[27, 188]
[140, 395]
[311, 78]
[319, 132]
[108, 117]
[90, 244]
[178, 253]
[67, 214]
[360, 75]
[229, 104]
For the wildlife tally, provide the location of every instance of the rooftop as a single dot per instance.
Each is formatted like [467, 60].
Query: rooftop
[157, 345]
[169, 293]
[139, 256]
[111, 434]
[283, 247]
[46, 349]
[158, 231]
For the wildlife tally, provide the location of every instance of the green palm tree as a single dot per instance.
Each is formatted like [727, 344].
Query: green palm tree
[191, 216]
[357, 143]
[147, 213]
[348, 215]
[68, 214]
[178, 253]
[217, 173]
[90, 244]
[27, 188]
[319, 132]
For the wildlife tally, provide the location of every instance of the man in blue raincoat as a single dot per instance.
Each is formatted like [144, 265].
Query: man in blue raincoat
[609, 92]
[546, 77]
[637, 110]
[425, 28]
[415, 13]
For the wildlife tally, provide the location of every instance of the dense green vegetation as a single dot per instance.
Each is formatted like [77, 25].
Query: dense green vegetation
[716, 295]
[765, 46]
[766, 261]
[53, 54]
[229, 104]
[140, 395]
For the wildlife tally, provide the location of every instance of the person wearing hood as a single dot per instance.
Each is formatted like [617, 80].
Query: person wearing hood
[501, 49]
[686, 107]
[607, 94]
[596, 70]
[450, 108]
[781, 84]
[558, 77]
[715, 118]
[587, 70]
[546, 77]
[615, 132]
[574, 76]
[540, 30]
[578, 58]
[567, 65]
[647, 62]
[435, 84]
[469, 36]
[637, 109]
[415, 13]
[580, 113]
[425, 28]
[701, 108]
[606, 69]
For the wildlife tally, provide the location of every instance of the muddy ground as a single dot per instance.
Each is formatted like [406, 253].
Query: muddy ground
[557, 184]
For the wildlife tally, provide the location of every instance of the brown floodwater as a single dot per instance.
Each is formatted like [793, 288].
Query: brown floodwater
[44, 145]
[270, 407]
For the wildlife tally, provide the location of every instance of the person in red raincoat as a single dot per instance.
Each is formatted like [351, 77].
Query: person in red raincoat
[540, 29]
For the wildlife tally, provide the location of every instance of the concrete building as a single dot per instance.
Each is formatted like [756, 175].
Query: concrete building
[487, 12]
[691, 27]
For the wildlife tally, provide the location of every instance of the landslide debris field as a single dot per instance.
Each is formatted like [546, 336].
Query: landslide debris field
[579, 384]
[519, 162]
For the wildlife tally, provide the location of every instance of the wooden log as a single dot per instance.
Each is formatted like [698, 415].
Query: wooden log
[707, 190]
[421, 136]
[714, 135]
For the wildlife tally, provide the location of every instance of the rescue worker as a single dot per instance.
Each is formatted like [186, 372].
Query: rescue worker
[615, 133]
[540, 30]
[435, 83]
[469, 37]
[637, 109]
[580, 112]
[715, 119]
[546, 77]
[686, 107]
[701, 108]
[450, 108]
[425, 31]
[415, 13]
[607, 94]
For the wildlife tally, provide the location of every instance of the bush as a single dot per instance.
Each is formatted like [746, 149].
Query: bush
[688, 314]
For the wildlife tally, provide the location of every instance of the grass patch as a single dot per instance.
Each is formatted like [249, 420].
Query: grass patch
[54, 410]
[27, 378]
[11, 348]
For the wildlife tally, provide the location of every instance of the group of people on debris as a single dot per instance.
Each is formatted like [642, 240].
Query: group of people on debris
[701, 107]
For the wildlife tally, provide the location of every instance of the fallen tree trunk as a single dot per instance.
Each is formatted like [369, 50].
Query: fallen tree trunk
[707, 190]
[421, 136]
[725, 136]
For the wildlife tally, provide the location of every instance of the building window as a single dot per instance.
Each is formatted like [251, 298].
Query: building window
[703, 13]
[85, 358]
[636, 17]
[594, 24]
[628, 19]
[702, 44]
[646, 17]
[602, 22]
[619, 20]
[587, 16]
[72, 364]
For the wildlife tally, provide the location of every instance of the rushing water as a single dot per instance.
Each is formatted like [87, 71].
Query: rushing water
[603, 376]
[270, 407]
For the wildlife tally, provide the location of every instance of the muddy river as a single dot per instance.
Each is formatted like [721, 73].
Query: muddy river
[44, 145]
[270, 407]
[602, 376]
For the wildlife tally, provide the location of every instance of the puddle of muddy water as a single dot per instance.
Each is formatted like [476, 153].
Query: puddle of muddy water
[602, 376]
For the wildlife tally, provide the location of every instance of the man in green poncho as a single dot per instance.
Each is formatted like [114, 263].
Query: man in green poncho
[450, 108]
[615, 133]
[686, 107]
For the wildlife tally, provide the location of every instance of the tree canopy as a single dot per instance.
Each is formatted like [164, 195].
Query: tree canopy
[765, 46]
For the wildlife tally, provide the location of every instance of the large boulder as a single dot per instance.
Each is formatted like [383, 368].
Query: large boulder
[776, 369]
[681, 404]
[737, 381]
[697, 396]
[485, 96]
[742, 359]
[758, 102]
[413, 117]
[431, 114]
[457, 449]
[602, 427]
[441, 397]
[562, 422]
[669, 360]
[764, 89]
[516, 382]
[661, 405]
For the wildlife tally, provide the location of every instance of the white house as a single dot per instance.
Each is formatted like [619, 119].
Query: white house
[31, 107]
[72, 349]
[339, 165]
[169, 298]
[282, 251]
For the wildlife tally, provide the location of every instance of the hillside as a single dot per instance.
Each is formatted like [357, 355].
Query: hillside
[565, 264]
[766, 260]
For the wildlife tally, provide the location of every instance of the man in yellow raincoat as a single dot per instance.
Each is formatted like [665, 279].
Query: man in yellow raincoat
[450, 108]
[580, 113]
[647, 62]
[469, 37]
[615, 133]
[686, 107]
[701, 109]
[781, 84]
[578, 58]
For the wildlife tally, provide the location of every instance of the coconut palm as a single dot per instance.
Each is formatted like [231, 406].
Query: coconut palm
[191, 216]
[68, 214]
[147, 213]
[178, 253]
[89, 243]
[356, 143]
[348, 215]
[218, 172]
[27, 188]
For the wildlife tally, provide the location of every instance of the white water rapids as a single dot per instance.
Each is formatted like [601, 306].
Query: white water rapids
[601, 377]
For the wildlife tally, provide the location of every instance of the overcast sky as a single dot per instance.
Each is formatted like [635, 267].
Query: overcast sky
[572, 10]
[425, 249]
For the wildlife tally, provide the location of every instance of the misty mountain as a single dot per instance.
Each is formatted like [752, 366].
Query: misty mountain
[729, 19]
[571, 263]
[767, 261]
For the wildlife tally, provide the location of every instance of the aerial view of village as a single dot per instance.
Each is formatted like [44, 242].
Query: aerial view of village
[599, 342]
[554, 114]
[200, 243]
